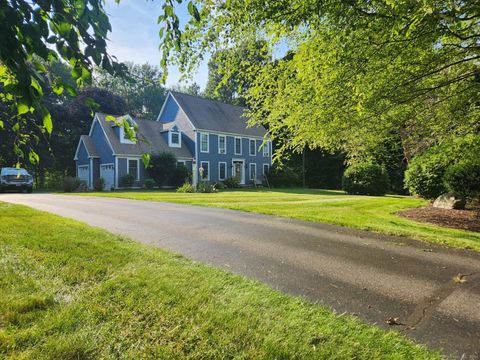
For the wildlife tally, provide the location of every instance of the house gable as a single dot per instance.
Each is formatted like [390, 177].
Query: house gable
[104, 149]
[81, 155]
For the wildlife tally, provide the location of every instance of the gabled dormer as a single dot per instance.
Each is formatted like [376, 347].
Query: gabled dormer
[174, 137]
[118, 126]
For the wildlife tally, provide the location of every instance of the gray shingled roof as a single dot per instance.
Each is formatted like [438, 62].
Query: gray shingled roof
[148, 129]
[206, 114]
[90, 146]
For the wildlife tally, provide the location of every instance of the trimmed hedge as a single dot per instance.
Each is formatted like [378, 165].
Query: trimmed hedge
[365, 179]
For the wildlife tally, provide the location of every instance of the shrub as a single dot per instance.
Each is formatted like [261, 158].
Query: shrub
[219, 185]
[231, 182]
[206, 187]
[425, 173]
[82, 187]
[162, 167]
[365, 179]
[284, 176]
[71, 183]
[464, 178]
[187, 187]
[127, 180]
[99, 184]
[180, 175]
[424, 176]
[149, 183]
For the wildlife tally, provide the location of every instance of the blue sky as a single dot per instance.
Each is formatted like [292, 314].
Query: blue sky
[134, 35]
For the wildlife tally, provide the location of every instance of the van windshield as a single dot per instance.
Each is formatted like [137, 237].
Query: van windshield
[13, 171]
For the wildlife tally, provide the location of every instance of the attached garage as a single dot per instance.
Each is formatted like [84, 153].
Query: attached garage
[107, 172]
[84, 173]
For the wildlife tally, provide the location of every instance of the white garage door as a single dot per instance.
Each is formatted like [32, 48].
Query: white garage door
[84, 173]
[107, 172]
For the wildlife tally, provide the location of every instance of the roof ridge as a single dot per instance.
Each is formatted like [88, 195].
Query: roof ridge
[207, 99]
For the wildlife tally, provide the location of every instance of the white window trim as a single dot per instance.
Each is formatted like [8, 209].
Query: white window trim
[267, 148]
[263, 168]
[222, 162]
[170, 143]
[137, 176]
[250, 177]
[235, 145]
[224, 143]
[183, 162]
[250, 147]
[209, 170]
[208, 142]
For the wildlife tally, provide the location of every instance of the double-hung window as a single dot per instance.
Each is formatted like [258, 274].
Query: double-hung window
[252, 147]
[238, 146]
[205, 170]
[132, 168]
[253, 171]
[222, 144]
[266, 149]
[266, 167]
[222, 170]
[204, 142]
[175, 139]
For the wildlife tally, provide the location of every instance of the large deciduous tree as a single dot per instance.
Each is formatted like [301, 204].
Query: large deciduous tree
[356, 74]
[140, 86]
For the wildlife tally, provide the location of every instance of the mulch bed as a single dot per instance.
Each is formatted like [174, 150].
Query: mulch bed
[468, 219]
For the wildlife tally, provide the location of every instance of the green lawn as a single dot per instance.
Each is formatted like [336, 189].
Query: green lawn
[334, 207]
[70, 291]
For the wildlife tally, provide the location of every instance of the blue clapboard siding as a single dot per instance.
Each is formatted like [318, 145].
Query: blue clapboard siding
[170, 110]
[214, 157]
[82, 155]
[103, 148]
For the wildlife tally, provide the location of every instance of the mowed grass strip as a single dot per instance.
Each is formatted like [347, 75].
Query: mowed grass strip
[373, 213]
[70, 291]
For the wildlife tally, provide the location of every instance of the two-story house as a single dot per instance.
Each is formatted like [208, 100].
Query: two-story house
[210, 137]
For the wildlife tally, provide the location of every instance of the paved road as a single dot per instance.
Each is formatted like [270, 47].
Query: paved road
[373, 276]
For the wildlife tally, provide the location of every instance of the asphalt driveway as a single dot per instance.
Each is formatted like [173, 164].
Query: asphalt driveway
[372, 276]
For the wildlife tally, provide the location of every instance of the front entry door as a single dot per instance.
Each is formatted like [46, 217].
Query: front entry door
[238, 172]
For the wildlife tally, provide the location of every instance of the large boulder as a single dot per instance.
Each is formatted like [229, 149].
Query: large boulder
[449, 201]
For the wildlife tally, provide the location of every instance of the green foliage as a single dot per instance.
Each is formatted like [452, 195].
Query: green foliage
[206, 187]
[180, 175]
[127, 180]
[139, 86]
[425, 174]
[187, 187]
[34, 33]
[231, 182]
[284, 176]
[226, 72]
[464, 178]
[149, 183]
[71, 183]
[99, 184]
[365, 179]
[162, 168]
[353, 73]
[219, 185]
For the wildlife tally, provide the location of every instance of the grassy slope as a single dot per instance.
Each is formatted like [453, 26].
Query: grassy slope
[70, 291]
[334, 207]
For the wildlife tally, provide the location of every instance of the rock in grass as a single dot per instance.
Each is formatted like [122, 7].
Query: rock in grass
[449, 201]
